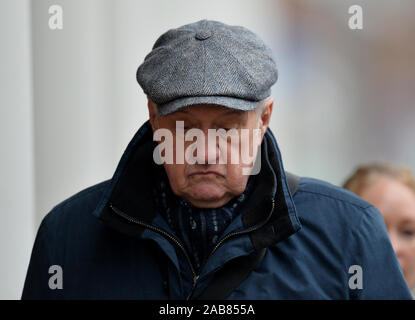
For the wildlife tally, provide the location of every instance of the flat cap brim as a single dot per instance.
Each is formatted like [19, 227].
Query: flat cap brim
[229, 102]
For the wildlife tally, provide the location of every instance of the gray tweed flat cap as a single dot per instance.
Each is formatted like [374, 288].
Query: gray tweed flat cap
[207, 62]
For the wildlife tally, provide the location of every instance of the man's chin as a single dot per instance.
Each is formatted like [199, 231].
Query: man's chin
[207, 196]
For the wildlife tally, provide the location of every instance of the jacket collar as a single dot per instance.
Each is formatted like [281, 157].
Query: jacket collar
[269, 211]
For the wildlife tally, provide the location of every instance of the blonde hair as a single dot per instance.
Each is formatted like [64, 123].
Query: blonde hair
[365, 176]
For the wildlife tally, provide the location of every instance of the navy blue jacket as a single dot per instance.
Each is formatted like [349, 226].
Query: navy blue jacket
[112, 244]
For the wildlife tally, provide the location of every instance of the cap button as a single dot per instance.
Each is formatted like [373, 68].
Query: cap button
[203, 35]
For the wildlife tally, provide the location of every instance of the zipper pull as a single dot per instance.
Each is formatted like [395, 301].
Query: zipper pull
[195, 278]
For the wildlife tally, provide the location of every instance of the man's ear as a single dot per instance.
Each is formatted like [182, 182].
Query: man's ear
[266, 115]
[152, 111]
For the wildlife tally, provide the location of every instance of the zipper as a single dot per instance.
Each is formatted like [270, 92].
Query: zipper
[161, 231]
[177, 242]
[230, 235]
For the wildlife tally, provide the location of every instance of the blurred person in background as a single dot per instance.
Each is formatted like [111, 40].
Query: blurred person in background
[392, 191]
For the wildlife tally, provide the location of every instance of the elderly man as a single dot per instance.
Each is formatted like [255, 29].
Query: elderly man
[199, 210]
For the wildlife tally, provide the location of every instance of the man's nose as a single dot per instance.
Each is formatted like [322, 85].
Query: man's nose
[210, 153]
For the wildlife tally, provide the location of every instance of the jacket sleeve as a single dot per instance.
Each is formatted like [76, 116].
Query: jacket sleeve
[36, 286]
[381, 274]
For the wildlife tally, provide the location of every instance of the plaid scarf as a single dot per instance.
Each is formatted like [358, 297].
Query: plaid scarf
[198, 229]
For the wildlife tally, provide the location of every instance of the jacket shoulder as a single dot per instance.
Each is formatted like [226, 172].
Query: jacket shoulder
[79, 205]
[342, 230]
[326, 190]
[63, 237]
[324, 204]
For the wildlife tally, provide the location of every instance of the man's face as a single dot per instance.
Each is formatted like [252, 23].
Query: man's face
[205, 184]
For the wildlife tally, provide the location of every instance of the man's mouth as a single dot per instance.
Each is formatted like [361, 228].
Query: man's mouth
[209, 173]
